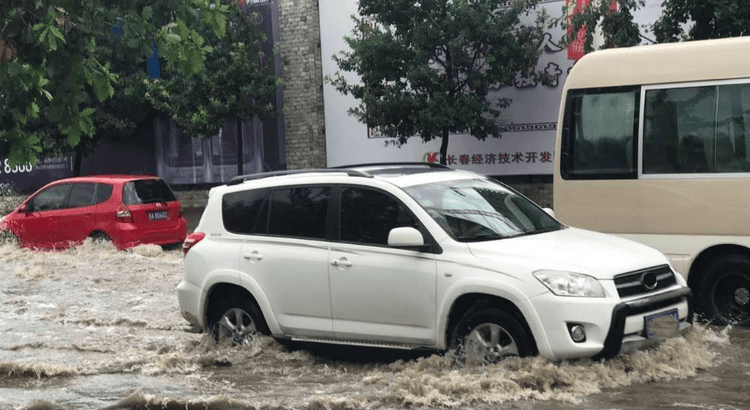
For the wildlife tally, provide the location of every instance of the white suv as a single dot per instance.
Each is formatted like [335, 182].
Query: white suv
[420, 256]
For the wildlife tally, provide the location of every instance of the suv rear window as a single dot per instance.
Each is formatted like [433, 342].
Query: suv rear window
[241, 211]
[146, 191]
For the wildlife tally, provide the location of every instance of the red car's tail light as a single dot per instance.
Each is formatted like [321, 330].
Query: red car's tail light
[191, 240]
[123, 214]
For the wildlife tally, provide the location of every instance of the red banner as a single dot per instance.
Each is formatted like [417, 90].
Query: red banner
[576, 47]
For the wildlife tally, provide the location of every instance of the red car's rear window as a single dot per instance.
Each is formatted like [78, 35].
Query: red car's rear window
[146, 191]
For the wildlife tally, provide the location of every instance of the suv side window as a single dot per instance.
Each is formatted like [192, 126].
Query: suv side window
[241, 211]
[49, 199]
[299, 212]
[368, 215]
[81, 194]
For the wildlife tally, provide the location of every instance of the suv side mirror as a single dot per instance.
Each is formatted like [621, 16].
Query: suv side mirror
[405, 238]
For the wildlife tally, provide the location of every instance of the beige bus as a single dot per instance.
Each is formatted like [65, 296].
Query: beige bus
[653, 144]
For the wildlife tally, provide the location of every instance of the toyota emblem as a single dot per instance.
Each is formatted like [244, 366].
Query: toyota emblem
[649, 281]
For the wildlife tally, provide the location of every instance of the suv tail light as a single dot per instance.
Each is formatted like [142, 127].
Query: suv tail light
[123, 214]
[191, 240]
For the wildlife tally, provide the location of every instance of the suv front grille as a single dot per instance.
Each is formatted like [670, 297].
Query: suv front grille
[644, 281]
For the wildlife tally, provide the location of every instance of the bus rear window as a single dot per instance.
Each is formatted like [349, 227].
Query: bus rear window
[600, 134]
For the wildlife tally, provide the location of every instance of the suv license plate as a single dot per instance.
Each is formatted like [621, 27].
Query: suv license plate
[662, 325]
[157, 215]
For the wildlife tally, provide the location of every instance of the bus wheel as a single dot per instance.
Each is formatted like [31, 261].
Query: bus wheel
[725, 291]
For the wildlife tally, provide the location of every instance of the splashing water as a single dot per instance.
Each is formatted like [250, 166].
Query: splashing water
[92, 327]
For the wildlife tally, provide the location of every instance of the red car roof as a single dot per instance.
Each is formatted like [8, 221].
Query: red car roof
[107, 178]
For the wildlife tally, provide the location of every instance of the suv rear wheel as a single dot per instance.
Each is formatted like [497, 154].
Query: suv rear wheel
[237, 320]
[485, 335]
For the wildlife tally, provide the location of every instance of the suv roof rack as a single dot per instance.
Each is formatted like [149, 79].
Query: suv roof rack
[431, 165]
[251, 177]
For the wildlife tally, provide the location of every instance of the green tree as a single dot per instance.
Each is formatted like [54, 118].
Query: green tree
[237, 82]
[613, 17]
[115, 118]
[425, 68]
[54, 78]
[680, 20]
[710, 19]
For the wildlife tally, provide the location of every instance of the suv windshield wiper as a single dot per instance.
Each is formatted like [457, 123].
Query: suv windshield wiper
[556, 228]
[480, 237]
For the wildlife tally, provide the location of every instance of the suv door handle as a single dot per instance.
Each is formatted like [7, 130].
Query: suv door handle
[253, 256]
[341, 263]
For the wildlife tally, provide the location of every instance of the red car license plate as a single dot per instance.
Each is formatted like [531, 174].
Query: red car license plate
[157, 215]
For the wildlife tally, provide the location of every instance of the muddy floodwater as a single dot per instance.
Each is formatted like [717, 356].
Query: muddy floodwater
[94, 328]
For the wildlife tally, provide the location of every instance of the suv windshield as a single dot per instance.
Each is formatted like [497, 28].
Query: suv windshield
[480, 209]
[146, 191]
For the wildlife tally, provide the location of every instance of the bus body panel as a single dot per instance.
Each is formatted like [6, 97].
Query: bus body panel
[653, 144]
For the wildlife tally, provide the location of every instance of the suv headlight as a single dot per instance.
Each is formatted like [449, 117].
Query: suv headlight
[570, 284]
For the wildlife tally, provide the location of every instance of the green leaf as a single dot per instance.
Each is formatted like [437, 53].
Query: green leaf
[147, 13]
[57, 33]
[73, 132]
[52, 41]
[34, 110]
[43, 35]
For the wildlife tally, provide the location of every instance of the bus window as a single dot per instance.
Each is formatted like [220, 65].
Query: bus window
[599, 134]
[733, 129]
[678, 130]
[696, 129]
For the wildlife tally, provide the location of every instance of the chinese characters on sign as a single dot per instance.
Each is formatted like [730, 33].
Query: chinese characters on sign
[494, 158]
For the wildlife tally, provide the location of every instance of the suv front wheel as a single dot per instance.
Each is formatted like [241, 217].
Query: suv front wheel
[485, 335]
[237, 321]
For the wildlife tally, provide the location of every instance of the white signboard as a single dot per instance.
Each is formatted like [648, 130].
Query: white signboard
[529, 124]
[527, 144]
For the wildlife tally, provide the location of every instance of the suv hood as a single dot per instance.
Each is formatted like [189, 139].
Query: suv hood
[576, 250]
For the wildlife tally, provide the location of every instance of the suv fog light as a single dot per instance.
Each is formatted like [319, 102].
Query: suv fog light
[577, 333]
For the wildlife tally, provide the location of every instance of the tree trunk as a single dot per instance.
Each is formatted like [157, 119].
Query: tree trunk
[240, 157]
[78, 156]
[444, 148]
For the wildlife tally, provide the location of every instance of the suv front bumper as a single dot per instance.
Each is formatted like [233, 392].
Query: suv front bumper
[618, 341]
[612, 326]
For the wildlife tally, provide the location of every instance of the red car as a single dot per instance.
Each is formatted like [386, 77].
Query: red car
[129, 210]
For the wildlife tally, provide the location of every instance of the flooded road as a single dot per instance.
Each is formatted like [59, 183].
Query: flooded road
[94, 328]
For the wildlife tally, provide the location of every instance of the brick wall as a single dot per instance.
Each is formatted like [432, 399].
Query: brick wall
[299, 46]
